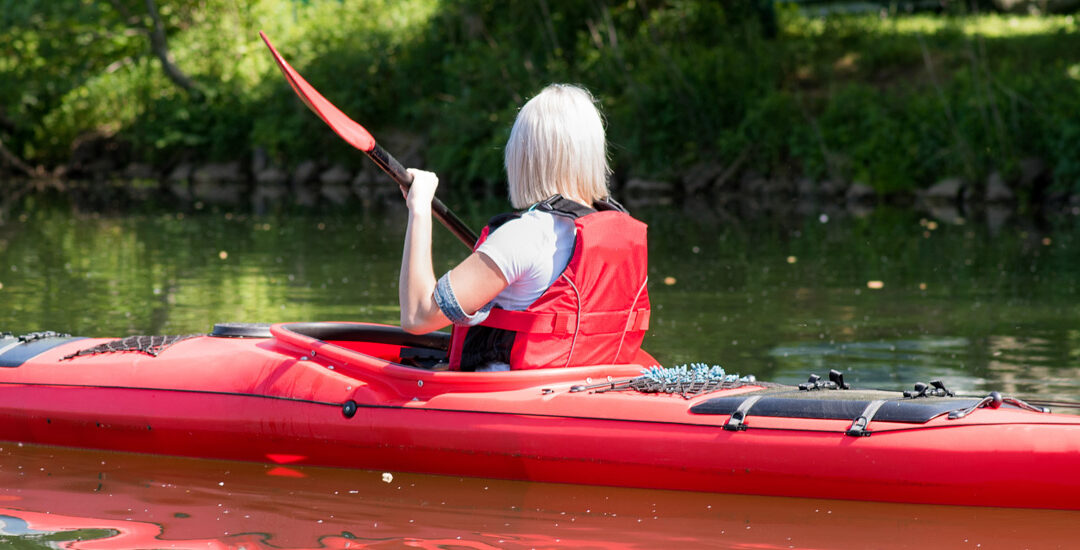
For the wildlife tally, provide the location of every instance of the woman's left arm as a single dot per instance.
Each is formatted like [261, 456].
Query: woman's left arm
[475, 281]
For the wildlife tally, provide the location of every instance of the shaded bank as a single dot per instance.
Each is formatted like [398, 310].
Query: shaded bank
[337, 187]
[701, 97]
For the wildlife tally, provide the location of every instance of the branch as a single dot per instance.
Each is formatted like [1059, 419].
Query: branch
[11, 158]
[161, 50]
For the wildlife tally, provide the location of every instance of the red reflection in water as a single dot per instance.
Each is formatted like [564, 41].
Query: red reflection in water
[156, 502]
[285, 472]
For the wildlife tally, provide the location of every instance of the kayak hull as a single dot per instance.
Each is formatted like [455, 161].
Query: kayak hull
[304, 401]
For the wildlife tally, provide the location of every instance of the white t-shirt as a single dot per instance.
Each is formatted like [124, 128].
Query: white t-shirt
[531, 251]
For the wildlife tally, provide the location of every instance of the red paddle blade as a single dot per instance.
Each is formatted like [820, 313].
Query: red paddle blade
[342, 125]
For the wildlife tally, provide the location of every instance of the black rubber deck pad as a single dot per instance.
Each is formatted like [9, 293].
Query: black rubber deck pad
[838, 405]
[13, 353]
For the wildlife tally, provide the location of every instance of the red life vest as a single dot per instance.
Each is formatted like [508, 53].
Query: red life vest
[595, 313]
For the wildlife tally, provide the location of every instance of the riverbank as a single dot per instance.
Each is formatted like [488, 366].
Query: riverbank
[372, 191]
[701, 100]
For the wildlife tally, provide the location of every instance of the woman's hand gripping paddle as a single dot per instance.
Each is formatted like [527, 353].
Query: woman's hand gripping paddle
[358, 137]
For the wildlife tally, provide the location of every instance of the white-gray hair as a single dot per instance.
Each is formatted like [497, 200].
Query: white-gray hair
[557, 146]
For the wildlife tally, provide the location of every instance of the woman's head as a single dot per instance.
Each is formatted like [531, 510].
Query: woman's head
[557, 146]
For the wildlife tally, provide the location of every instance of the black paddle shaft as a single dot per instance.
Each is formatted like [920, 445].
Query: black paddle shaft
[391, 166]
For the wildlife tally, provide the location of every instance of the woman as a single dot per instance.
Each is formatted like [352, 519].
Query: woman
[562, 283]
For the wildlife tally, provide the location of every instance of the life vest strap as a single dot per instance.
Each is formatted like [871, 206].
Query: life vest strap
[566, 323]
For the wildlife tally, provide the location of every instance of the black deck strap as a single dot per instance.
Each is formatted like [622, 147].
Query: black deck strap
[995, 400]
[1021, 404]
[737, 420]
[862, 422]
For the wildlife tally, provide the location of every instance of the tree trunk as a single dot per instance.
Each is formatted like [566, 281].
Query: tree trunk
[161, 50]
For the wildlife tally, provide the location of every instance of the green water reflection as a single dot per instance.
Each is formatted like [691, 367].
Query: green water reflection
[981, 303]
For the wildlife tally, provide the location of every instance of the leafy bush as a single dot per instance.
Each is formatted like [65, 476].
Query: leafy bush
[897, 102]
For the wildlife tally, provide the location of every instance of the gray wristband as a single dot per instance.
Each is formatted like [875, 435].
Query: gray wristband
[448, 304]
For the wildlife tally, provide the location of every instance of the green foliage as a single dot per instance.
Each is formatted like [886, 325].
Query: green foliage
[911, 100]
[896, 102]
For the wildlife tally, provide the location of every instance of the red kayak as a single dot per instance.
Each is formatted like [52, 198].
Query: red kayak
[359, 395]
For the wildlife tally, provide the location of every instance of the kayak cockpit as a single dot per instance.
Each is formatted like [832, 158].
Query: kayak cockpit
[422, 351]
[425, 351]
[412, 362]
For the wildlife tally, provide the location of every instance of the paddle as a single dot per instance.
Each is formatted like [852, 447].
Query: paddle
[358, 137]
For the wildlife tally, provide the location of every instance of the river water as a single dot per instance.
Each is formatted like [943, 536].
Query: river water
[888, 296]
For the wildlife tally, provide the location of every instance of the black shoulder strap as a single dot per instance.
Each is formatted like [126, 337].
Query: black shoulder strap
[557, 205]
[560, 206]
[609, 204]
[499, 219]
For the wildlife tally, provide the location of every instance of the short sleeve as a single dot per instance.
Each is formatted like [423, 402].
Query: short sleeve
[531, 251]
[518, 247]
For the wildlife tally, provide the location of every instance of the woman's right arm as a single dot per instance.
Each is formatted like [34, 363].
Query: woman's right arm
[417, 280]
[475, 281]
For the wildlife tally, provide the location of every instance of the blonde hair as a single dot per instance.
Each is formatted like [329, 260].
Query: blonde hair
[557, 146]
